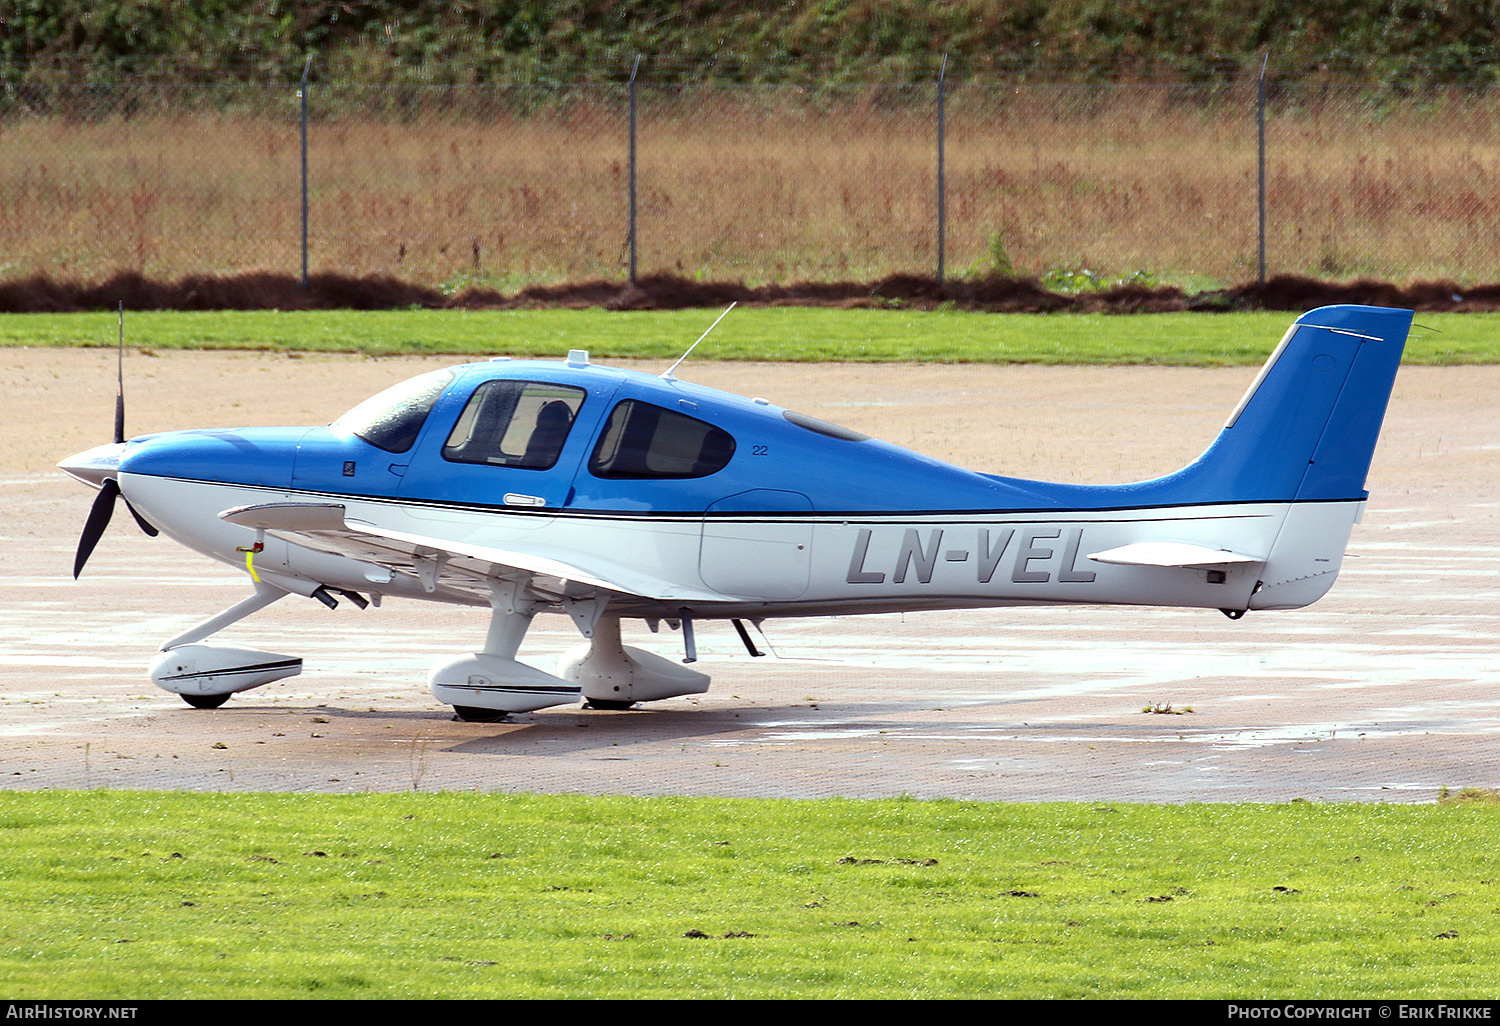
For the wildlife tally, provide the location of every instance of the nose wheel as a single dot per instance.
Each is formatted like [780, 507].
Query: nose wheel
[206, 675]
[606, 704]
[474, 714]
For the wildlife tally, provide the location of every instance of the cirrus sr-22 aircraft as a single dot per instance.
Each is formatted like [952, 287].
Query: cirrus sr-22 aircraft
[611, 495]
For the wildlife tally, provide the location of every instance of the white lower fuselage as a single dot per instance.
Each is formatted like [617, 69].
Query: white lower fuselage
[768, 565]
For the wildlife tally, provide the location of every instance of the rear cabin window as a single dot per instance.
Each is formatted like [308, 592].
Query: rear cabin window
[514, 424]
[391, 420]
[642, 441]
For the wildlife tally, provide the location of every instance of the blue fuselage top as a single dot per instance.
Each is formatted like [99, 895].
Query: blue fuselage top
[548, 435]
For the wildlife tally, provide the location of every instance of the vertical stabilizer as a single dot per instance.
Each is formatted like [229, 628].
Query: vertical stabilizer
[1307, 426]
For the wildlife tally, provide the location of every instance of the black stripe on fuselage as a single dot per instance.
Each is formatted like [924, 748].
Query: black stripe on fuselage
[256, 668]
[1023, 515]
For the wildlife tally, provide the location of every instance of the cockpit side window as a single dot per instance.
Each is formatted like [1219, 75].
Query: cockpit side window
[643, 441]
[391, 420]
[514, 424]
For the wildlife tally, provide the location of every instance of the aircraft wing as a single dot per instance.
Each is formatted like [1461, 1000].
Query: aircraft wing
[326, 528]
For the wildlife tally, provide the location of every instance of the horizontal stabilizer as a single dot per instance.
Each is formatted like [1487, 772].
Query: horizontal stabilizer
[1171, 554]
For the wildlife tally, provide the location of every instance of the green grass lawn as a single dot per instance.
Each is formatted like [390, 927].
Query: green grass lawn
[777, 333]
[141, 895]
[151, 895]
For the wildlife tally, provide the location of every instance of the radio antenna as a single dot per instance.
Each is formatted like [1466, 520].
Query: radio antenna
[667, 375]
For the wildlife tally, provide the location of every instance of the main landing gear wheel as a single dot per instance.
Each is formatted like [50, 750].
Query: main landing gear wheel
[474, 714]
[205, 701]
[607, 704]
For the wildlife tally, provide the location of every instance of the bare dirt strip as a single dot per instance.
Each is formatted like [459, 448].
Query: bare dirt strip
[261, 290]
[1387, 690]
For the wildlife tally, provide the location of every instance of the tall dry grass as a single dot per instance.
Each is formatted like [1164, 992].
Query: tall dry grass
[770, 184]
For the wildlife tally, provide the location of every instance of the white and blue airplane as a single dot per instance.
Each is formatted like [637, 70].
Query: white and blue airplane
[610, 495]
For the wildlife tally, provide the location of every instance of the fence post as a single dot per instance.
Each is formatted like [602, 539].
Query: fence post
[634, 68]
[1260, 121]
[302, 97]
[942, 198]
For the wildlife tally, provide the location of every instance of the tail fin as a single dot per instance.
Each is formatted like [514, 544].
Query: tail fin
[1307, 427]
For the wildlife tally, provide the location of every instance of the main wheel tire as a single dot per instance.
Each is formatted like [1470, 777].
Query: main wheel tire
[474, 714]
[606, 704]
[205, 701]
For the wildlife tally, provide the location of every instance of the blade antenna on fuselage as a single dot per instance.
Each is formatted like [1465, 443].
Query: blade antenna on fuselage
[666, 375]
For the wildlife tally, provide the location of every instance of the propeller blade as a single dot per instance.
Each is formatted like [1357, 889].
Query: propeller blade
[120, 382]
[93, 528]
[145, 525]
[104, 503]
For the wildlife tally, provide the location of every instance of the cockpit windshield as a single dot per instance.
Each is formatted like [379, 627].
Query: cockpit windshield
[392, 419]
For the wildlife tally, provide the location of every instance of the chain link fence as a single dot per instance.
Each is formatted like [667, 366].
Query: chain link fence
[513, 185]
